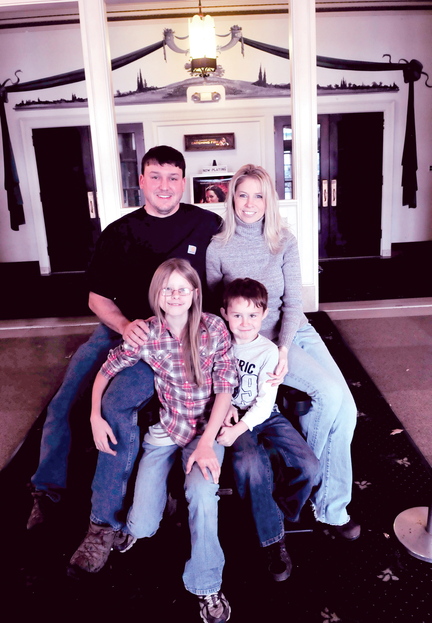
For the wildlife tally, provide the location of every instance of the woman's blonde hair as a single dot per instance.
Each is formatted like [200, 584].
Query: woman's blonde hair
[191, 338]
[275, 229]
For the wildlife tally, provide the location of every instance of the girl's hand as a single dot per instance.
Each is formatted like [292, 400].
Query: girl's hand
[102, 432]
[281, 369]
[206, 459]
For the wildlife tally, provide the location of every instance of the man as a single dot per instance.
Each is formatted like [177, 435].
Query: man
[127, 254]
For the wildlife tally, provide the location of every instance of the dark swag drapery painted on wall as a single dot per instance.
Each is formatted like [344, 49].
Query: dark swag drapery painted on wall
[412, 72]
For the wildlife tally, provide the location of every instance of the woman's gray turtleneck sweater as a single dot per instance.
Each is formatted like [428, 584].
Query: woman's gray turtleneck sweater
[248, 255]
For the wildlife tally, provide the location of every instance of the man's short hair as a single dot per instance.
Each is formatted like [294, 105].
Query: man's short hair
[249, 289]
[164, 154]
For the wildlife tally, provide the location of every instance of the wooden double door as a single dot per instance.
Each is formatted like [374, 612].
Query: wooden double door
[67, 184]
[350, 155]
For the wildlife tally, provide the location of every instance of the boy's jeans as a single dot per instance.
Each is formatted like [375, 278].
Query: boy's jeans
[329, 425]
[131, 389]
[254, 475]
[203, 571]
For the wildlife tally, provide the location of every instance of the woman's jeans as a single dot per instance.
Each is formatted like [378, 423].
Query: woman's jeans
[203, 571]
[128, 391]
[253, 474]
[328, 426]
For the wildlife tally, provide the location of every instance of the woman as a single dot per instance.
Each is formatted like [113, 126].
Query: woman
[255, 243]
[214, 194]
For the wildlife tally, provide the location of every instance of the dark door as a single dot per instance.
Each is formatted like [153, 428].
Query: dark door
[64, 160]
[66, 177]
[350, 148]
[349, 181]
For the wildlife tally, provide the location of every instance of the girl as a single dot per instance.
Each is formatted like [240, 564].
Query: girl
[254, 243]
[195, 375]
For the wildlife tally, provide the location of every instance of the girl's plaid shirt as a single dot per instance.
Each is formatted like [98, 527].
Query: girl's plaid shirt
[185, 406]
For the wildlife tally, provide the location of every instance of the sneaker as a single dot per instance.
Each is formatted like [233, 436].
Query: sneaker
[93, 552]
[123, 542]
[280, 565]
[349, 531]
[40, 510]
[214, 608]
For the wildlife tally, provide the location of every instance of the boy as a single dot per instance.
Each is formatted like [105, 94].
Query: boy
[255, 424]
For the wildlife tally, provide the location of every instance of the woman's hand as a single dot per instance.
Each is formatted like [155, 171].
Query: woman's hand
[102, 434]
[281, 369]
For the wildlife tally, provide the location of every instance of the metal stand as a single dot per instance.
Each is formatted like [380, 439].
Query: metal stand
[413, 528]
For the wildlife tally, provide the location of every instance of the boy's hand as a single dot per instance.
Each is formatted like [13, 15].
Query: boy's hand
[231, 416]
[206, 459]
[228, 435]
[102, 432]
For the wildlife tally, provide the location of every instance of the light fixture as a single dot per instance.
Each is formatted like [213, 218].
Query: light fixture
[202, 44]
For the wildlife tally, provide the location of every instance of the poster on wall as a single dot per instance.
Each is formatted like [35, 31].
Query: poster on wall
[209, 142]
[210, 188]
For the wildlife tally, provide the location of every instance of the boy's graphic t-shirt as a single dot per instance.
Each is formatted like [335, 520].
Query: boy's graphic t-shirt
[254, 394]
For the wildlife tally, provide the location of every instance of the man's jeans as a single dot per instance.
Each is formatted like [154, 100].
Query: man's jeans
[254, 475]
[130, 390]
[203, 571]
[328, 426]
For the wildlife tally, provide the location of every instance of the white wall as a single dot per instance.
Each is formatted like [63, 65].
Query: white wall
[364, 36]
[403, 35]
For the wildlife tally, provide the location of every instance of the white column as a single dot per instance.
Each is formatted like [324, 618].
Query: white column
[97, 65]
[302, 48]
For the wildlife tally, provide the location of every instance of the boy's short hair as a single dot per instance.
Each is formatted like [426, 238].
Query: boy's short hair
[249, 289]
[164, 154]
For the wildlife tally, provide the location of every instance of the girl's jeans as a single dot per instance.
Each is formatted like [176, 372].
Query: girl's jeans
[203, 571]
[254, 475]
[328, 426]
[128, 391]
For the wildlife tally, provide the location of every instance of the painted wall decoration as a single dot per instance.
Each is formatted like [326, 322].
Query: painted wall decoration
[412, 72]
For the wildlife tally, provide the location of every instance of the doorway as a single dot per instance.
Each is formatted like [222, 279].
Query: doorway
[64, 160]
[350, 164]
[66, 176]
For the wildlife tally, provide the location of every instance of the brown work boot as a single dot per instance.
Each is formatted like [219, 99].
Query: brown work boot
[279, 561]
[123, 541]
[349, 531]
[93, 552]
[40, 510]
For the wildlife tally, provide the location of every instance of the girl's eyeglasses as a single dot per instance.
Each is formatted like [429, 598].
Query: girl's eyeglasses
[172, 291]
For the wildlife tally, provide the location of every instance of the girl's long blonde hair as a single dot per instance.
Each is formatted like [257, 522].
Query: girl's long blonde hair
[275, 230]
[191, 338]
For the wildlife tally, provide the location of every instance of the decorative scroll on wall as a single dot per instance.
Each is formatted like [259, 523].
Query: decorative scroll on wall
[412, 72]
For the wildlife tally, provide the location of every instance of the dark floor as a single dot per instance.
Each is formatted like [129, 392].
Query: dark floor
[406, 274]
[372, 580]
[403, 275]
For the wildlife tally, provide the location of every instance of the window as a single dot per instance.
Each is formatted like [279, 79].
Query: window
[131, 151]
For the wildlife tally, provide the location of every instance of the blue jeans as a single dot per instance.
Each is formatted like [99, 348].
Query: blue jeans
[203, 571]
[328, 426]
[254, 475]
[51, 474]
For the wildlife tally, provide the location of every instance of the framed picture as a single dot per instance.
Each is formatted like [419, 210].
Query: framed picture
[209, 142]
[210, 187]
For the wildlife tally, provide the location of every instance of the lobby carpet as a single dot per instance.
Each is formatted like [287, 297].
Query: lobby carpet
[371, 580]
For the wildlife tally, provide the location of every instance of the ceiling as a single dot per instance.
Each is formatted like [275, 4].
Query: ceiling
[19, 13]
